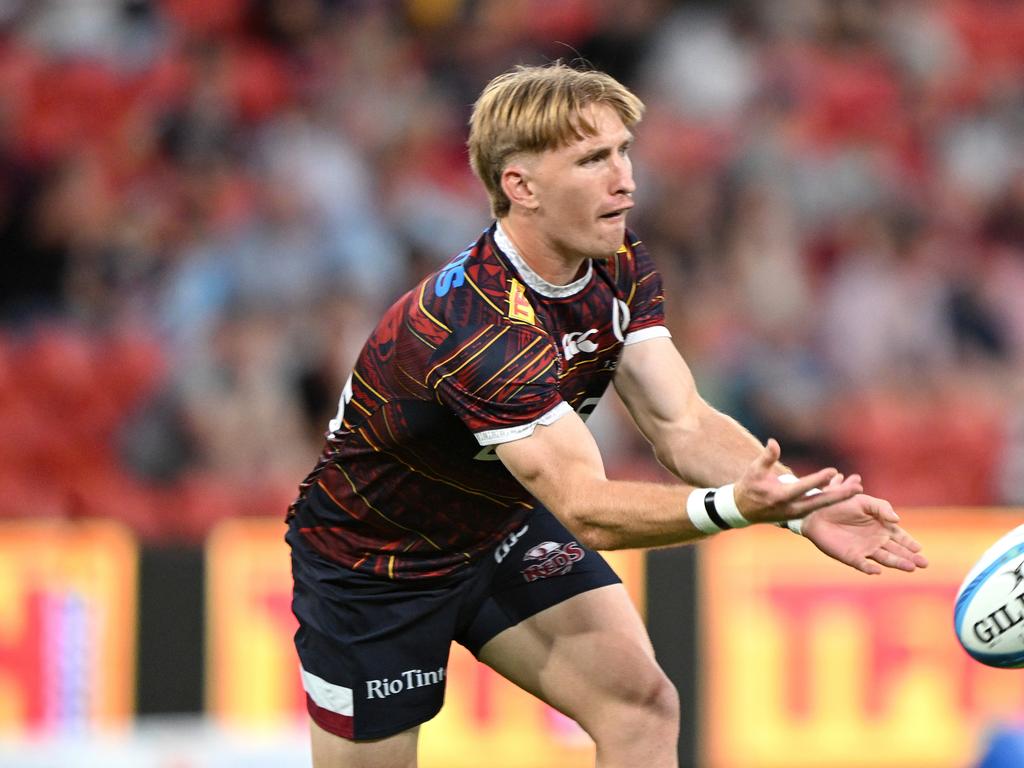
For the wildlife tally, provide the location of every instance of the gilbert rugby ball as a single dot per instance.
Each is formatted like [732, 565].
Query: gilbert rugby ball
[989, 612]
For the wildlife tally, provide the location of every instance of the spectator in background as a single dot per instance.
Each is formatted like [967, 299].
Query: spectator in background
[159, 160]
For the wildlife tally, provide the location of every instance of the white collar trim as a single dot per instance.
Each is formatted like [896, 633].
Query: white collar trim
[531, 278]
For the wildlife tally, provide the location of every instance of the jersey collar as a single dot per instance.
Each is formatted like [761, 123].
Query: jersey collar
[531, 278]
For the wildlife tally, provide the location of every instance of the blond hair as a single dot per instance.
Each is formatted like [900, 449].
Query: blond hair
[532, 109]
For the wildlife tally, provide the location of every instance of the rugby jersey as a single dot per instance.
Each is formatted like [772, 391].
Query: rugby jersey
[480, 352]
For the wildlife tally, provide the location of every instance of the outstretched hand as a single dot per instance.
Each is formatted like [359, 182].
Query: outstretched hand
[862, 533]
[842, 521]
[761, 498]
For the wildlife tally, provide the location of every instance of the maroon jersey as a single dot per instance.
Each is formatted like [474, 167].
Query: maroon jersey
[479, 353]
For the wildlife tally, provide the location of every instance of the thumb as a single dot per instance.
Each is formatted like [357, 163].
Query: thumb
[770, 455]
[885, 512]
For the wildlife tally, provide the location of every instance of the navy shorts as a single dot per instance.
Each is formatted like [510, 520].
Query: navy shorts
[374, 653]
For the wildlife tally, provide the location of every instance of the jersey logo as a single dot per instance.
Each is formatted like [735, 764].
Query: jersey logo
[518, 306]
[510, 541]
[453, 275]
[574, 343]
[620, 319]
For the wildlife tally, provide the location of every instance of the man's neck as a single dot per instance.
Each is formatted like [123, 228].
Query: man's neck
[541, 256]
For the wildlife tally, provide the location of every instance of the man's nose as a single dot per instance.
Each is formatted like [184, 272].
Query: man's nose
[624, 183]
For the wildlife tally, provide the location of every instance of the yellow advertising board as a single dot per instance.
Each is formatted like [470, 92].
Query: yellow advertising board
[808, 663]
[67, 626]
[253, 678]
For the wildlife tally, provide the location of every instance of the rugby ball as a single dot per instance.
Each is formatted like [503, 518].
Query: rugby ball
[989, 610]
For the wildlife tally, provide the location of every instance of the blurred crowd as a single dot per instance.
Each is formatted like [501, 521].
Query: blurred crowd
[205, 204]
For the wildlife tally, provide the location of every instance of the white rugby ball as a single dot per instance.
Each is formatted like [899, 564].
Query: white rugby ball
[989, 612]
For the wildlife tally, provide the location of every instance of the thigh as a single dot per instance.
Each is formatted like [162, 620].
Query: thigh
[585, 656]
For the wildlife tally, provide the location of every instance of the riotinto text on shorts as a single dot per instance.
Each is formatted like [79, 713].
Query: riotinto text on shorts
[383, 687]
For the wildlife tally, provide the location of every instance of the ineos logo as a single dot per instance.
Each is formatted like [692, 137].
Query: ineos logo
[574, 343]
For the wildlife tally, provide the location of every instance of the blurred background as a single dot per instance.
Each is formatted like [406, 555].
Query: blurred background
[206, 204]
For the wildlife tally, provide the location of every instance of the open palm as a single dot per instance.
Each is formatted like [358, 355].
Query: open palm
[862, 533]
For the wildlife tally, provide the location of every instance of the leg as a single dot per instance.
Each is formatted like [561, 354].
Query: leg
[330, 751]
[590, 658]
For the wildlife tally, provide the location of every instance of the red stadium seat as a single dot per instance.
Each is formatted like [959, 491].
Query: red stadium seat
[130, 367]
[102, 490]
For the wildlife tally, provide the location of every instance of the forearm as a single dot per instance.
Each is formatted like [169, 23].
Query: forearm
[561, 466]
[691, 439]
[712, 449]
[617, 514]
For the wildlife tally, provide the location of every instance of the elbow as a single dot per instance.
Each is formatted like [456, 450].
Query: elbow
[587, 532]
[594, 538]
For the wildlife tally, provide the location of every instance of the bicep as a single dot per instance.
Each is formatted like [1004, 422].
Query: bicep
[658, 389]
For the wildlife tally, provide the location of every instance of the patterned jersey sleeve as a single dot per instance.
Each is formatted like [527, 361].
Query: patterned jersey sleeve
[500, 380]
[647, 299]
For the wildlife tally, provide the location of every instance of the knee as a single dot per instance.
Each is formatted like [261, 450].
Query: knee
[653, 700]
[663, 701]
[642, 724]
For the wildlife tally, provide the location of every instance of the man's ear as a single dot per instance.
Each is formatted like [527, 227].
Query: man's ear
[517, 184]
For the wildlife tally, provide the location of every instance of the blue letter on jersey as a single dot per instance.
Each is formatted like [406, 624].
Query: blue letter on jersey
[451, 276]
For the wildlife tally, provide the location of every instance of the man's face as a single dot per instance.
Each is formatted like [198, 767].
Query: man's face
[583, 190]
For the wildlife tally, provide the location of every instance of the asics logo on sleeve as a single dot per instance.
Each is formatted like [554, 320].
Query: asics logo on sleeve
[574, 343]
[452, 276]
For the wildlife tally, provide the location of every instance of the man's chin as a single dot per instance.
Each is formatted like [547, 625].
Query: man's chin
[610, 245]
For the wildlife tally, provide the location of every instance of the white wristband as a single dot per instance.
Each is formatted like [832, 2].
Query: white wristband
[713, 510]
[797, 525]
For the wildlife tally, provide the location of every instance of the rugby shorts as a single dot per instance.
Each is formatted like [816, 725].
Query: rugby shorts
[374, 653]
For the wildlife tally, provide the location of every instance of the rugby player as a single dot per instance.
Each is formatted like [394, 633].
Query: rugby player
[460, 496]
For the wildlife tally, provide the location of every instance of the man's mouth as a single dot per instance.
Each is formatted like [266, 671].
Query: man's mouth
[616, 214]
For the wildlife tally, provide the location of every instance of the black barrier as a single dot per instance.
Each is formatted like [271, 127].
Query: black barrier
[171, 631]
[672, 622]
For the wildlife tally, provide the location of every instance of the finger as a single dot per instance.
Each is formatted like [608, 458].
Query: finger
[837, 479]
[849, 488]
[907, 541]
[892, 560]
[866, 566]
[770, 455]
[882, 510]
[898, 549]
[860, 563]
[820, 479]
